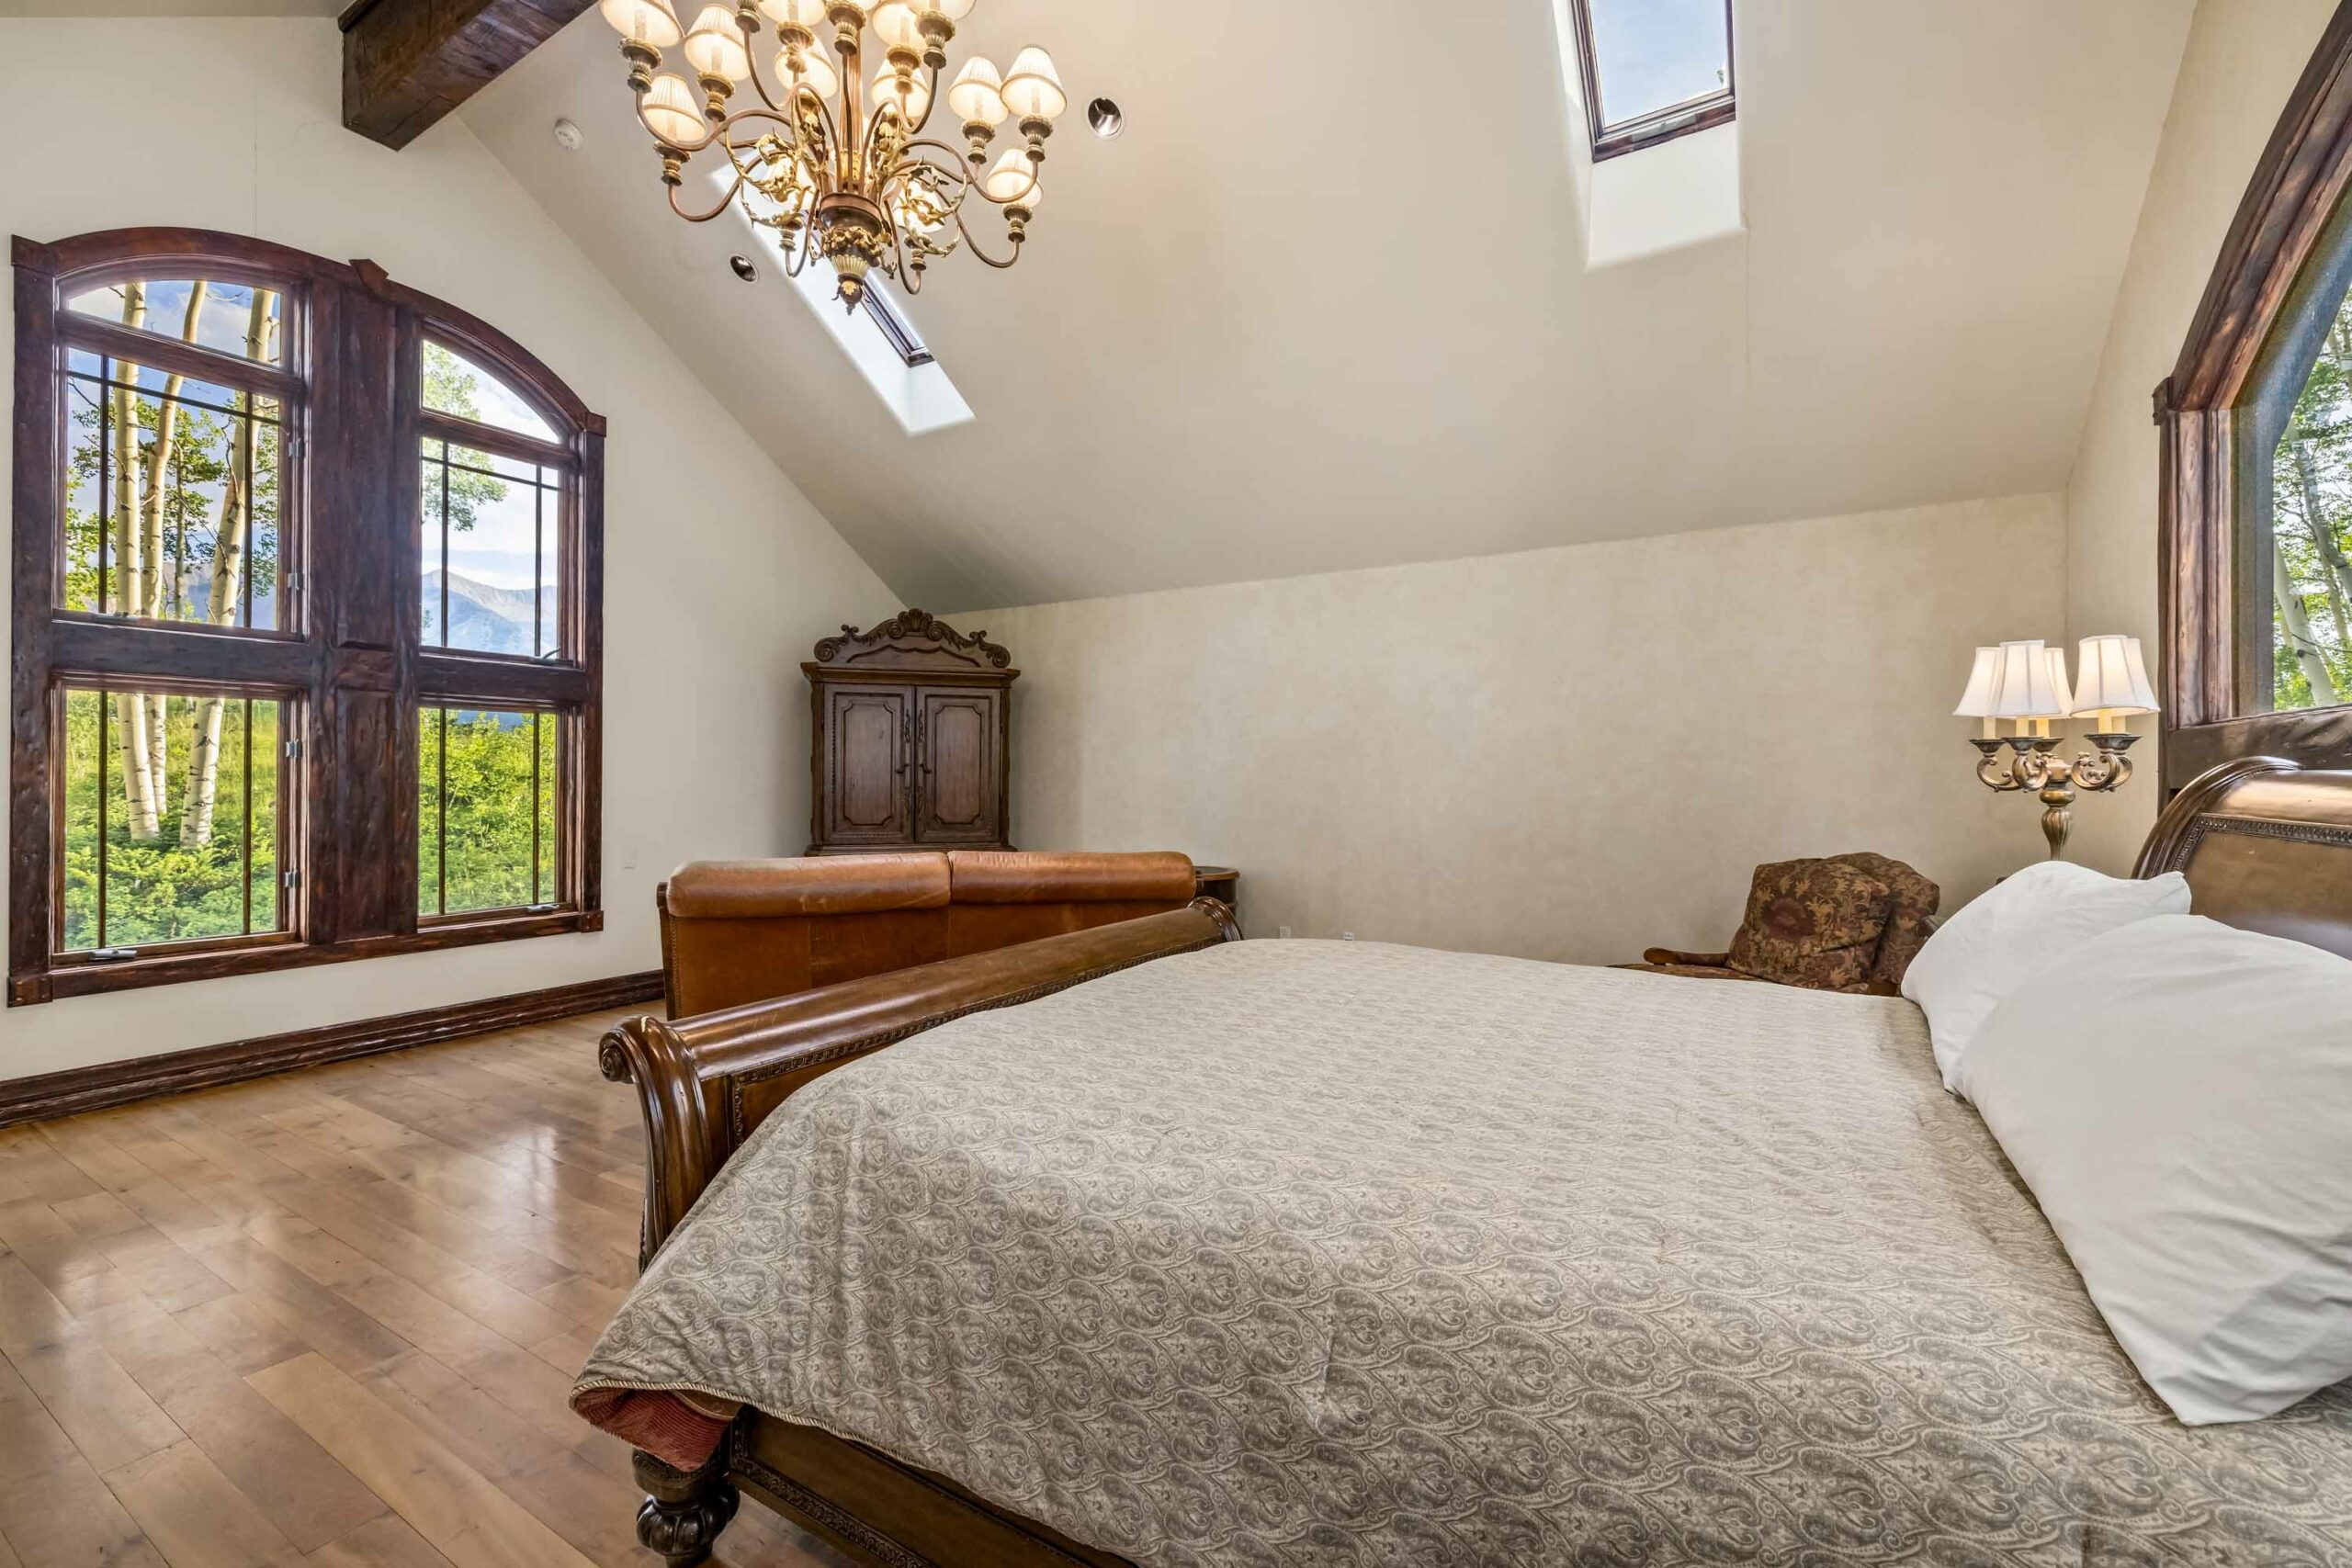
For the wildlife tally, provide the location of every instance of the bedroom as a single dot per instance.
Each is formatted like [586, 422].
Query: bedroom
[412, 910]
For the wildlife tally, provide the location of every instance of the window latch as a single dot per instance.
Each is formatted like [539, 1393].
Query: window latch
[112, 954]
[290, 879]
[294, 749]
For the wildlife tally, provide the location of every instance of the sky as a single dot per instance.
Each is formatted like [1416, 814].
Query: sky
[1652, 54]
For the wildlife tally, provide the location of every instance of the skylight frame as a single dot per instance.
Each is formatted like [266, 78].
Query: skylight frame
[1702, 112]
[897, 331]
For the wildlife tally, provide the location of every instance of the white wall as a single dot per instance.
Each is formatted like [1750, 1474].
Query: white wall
[2241, 63]
[718, 573]
[1569, 753]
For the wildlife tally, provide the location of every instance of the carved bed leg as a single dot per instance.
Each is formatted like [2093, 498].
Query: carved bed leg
[684, 1510]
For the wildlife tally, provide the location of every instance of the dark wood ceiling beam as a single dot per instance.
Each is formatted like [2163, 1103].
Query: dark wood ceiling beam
[408, 62]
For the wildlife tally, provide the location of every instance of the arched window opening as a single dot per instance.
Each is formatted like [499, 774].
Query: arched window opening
[290, 695]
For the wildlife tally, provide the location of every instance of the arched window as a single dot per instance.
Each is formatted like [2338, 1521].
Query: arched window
[2256, 493]
[306, 641]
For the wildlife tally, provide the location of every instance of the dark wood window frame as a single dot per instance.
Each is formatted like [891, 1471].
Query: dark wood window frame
[2219, 415]
[1686, 118]
[350, 659]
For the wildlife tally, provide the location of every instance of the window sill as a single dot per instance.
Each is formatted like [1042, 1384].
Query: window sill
[61, 980]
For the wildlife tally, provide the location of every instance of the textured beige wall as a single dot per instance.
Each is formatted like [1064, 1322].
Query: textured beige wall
[2242, 61]
[714, 586]
[1568, 754]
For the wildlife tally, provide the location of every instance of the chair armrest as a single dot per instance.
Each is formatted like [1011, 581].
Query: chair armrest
[1675, 955]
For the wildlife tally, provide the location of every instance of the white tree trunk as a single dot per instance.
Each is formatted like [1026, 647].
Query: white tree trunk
[2323, 534]
[130, 712]
[2299, 630]
[232, 537]
[153, 472]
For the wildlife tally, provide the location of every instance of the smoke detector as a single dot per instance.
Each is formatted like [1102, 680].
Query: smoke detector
[567, 136]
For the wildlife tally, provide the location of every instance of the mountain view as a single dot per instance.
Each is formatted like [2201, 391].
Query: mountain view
[483, 617]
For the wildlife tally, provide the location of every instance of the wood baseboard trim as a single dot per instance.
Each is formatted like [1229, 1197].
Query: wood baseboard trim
[78, 1089]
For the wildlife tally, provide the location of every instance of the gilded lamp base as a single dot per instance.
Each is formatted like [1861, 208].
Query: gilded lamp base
[2033, 763]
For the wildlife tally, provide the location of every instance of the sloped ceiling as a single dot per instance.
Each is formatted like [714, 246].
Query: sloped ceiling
[1324, 304]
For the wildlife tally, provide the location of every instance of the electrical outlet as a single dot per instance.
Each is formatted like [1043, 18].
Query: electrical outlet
[1347, 936]
[1282, 930]
[629, 859]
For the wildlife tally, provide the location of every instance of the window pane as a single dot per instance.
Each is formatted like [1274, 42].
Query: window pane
[493, 541]
[454, 384]
[230, 318]
[171, 817]
[172, 496]
[1651, 54]
[2311, 532]
[487, 810]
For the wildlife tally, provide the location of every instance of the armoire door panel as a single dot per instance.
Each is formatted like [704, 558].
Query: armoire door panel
[871, 744]
[959, 791]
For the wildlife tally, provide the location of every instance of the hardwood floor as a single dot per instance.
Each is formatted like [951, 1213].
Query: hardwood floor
[329, 1318]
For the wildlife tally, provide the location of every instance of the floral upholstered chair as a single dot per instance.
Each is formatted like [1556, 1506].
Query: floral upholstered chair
[1850, 923]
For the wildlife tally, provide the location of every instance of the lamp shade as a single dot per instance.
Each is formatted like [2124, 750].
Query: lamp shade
[1013, 181]
[644, 21]
[897, 24]
[1983, 685]
[2056, 659]
[674, 113]
[2112, 677]
[907, 95]
[2022, 683]
[715, 45]
[808, 64]
[976, 95]
[1032, 89]
[805, 15]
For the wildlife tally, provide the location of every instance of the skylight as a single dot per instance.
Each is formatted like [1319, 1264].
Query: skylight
[1653, 69]
[878, 339]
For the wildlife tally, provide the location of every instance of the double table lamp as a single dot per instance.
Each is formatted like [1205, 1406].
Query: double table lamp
[2025, 683]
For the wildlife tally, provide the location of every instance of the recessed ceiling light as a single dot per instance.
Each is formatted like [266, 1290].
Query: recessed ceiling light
[567, 135]
[743, 268]
[1104, 117]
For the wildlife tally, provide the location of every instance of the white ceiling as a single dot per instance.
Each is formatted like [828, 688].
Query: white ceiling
[1290, 321]
[172, 7]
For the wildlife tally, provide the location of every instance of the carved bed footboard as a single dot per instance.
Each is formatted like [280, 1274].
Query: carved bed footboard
[704, 1083]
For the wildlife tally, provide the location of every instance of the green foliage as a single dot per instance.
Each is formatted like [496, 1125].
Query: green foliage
[196, 472]
[2312, 530]
[165, 891]
[493, 818]
[449, 385]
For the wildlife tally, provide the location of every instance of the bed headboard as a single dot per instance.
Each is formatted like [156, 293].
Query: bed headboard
[2267, 845]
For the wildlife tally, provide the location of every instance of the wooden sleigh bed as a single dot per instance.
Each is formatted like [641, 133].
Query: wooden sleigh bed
[2266, 845]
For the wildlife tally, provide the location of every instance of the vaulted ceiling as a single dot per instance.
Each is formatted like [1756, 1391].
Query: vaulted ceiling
[1324, 305]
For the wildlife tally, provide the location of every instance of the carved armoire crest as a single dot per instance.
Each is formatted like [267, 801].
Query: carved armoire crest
[910, 738]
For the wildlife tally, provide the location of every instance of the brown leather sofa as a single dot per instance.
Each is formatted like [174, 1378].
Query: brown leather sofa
[748, 930]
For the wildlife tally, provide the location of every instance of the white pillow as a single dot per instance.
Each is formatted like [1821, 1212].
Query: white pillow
[2015, 930]
[2179, 1095]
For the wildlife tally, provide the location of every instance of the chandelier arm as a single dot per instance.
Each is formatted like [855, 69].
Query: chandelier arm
[751, 28]
[979, 253]
[930, 102]
[724, 202]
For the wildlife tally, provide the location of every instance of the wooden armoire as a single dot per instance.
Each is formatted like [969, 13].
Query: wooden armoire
[910, 738]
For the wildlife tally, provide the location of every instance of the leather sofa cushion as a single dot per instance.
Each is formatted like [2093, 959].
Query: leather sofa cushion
[832, 884]
[1021, 876]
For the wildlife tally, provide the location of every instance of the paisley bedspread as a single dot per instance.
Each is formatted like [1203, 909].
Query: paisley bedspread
[1340, 1253]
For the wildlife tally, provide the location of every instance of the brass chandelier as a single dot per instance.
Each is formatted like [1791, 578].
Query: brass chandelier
[838, 165]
